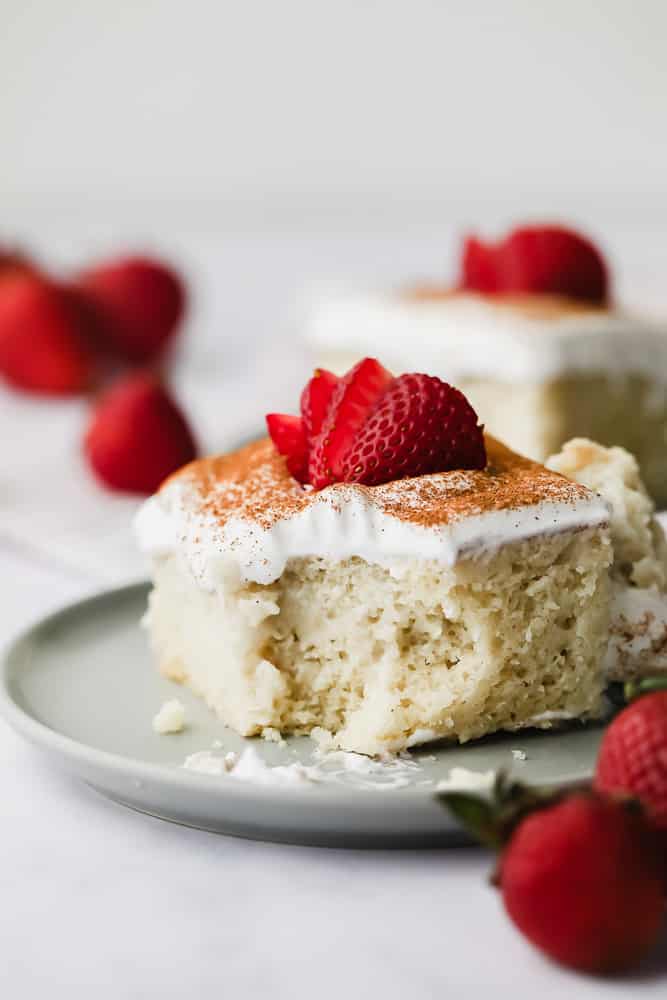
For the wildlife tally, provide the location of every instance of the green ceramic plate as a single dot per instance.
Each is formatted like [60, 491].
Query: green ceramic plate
[82, 687]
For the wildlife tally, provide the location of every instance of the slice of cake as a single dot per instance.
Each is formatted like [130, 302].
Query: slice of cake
[438, 590]
[529, 334]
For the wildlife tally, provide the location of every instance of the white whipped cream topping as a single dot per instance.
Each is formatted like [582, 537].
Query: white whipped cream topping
[173, 523]
[336, 767]
[468, 336]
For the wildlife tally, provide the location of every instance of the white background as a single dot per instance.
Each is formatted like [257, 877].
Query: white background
[266, 146]
[359, 108]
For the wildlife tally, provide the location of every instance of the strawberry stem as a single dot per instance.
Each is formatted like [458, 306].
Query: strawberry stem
[492, 819]
[476, 814]
[647, 685]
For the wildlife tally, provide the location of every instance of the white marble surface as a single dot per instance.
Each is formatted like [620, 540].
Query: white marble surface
[97, 901]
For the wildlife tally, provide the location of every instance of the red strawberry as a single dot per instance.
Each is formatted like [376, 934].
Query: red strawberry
[288, 435]
[44, 344]
[633, 755]
[139, 303]
[479, 266]
[315, 400]
[418, 425]
[556, 260]
[369, 427]
[137, 436]
[542, 259]
[583, 880]
[291, 435]
[13, 263]
[350, 404]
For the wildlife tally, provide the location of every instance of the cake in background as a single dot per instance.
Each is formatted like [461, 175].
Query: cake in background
[531, 334]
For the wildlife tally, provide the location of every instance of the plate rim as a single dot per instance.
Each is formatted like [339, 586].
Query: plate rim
[44, 736]
[293, 806]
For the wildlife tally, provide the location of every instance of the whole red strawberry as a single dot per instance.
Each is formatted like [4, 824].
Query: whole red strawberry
[139, 304]
[137, 436]
[369, 427]
[584, 881]
[45, 342]
[581, 874]
[633, 755]
[536, 259]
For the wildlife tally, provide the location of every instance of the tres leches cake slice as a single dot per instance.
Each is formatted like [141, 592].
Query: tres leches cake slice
[441, 589]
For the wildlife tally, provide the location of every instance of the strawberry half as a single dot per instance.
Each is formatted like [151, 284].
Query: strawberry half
[350, 404]
[551, 260]
[288, 434]
[418, 425]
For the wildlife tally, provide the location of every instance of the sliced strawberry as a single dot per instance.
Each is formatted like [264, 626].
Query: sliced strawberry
[288, 434]
[418, 426]
[137, 435]
[351, 402]
[315, 400]
[369, 427]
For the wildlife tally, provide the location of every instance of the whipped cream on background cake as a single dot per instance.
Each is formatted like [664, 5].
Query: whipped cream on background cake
[245, 515]
[460, 335]
[539, 369]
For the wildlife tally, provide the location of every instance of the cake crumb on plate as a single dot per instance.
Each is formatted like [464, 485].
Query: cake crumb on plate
[272, 735]
[170, 718]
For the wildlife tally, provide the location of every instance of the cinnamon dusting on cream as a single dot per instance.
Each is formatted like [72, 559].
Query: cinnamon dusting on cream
[253, 484]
